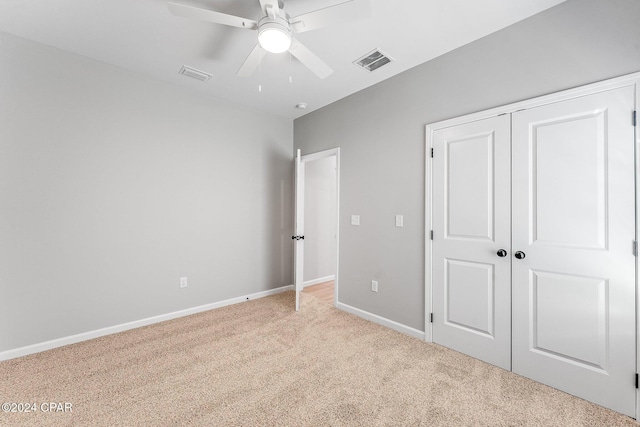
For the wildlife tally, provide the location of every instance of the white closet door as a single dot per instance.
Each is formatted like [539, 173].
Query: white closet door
[573, 219]
[471, 223]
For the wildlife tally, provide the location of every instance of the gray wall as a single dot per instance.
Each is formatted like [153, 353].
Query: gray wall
[113, 186]
[381, 133]
[320, 218]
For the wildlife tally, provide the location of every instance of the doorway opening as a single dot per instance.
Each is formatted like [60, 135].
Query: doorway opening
[317, 207]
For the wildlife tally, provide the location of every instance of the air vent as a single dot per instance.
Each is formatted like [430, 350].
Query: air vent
[373, 60]
[195, 74]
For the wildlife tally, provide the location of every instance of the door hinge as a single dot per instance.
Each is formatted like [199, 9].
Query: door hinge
[432, 153]
[431, 321]
[636, 380]
[635, 248]
[633, 120]
[431, 234]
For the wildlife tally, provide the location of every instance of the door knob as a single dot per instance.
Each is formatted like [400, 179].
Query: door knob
[502, 253]
[520, 255]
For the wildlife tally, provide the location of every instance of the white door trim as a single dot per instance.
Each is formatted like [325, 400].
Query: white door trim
[618, 82]
[637, 184]
[323, 155]
[601, 86]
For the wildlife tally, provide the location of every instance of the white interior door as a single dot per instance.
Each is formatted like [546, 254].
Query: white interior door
[471, 268]
[574, 223]
[298, 236]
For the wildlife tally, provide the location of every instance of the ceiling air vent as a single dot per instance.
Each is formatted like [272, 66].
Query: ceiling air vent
[373, 60]
[195, 74]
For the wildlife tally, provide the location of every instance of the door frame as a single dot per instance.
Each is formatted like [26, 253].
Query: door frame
[318, 156]
[614, 83]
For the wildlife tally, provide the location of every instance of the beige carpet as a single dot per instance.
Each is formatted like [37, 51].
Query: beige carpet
[261, 364]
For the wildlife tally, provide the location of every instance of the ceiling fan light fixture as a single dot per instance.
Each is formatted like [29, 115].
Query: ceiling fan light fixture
[274, 36]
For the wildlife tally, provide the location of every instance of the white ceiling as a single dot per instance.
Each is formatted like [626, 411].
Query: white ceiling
[142, 36]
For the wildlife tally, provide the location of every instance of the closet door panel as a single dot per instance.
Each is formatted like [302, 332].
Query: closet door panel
[471, 222]
[573, 220]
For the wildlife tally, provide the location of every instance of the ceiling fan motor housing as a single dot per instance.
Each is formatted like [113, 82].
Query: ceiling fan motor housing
[274, 34]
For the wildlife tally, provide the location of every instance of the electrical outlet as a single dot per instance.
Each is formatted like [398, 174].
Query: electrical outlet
[183, 282]
[374, 285]
[399, 221]
[355, 219]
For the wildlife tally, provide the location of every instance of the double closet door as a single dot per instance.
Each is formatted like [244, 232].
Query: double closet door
[533, 265]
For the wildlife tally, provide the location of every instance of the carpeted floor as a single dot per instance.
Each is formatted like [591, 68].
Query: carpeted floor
[260, 363]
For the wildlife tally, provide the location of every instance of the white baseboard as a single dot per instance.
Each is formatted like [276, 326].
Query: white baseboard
[318, 280]
[59, 342]
[407, 330]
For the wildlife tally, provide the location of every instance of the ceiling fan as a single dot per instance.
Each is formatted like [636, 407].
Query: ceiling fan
[276, 28]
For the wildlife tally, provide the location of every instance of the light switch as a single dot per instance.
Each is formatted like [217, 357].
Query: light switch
[355, 219]
[399, 221]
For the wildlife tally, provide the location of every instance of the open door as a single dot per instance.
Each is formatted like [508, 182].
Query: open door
[298, 237]
[301, 181]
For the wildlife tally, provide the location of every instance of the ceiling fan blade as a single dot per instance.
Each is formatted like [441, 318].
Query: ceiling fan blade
[270, 7]
[309, 59]
[345, 11]
[193, 12]
[251, 63]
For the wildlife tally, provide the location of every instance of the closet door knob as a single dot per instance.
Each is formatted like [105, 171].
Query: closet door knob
[520, 255]
[502, 253]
